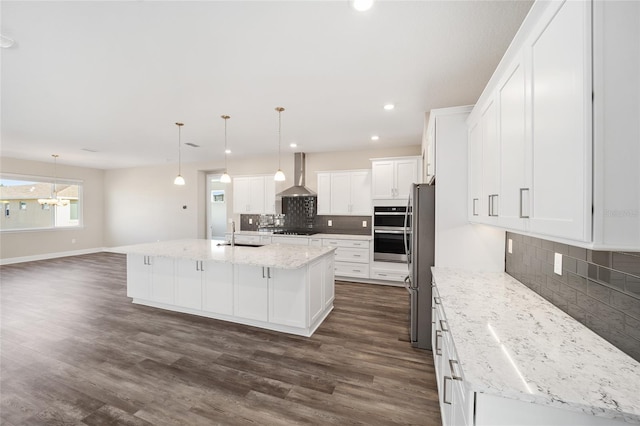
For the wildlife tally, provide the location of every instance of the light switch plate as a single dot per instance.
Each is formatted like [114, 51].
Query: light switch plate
[510, 246]
[329, 223]
[364, 223]
[250, 221]
[557, 264]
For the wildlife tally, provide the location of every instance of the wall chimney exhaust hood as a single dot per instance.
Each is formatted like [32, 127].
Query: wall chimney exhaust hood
[298, 189]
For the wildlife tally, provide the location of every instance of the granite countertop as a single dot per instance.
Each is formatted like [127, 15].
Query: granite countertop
[513, 343]
[328, 236]
[282, 256]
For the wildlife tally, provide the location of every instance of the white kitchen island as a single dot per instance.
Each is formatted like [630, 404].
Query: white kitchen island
[279, 287]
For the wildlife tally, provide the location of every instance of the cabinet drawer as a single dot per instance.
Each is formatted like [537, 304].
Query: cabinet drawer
[346, 243]
[297, 241]
[350, 269]
[357, 255]
[388, 275]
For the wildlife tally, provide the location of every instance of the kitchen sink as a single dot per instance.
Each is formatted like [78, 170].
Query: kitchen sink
[241, 244]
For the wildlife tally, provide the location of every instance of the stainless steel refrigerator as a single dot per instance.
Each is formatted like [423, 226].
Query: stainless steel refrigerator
[420, 248]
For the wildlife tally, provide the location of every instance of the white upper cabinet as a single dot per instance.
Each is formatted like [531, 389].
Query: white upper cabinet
[254, 194]
[344, 192]
[561, 122]
[565, 98]
[477, 212]
[514, 154]
[324, 193]
[391, 178]
[491, 161]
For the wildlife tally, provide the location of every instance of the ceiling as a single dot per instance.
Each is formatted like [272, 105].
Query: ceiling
[102, 83]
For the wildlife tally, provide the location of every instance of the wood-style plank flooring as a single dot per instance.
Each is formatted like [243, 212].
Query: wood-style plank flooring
[75, 350]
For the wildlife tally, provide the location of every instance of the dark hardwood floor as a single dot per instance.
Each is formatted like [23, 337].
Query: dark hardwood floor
[75, 350]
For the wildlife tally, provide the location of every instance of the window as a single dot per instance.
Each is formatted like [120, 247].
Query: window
[40, 203]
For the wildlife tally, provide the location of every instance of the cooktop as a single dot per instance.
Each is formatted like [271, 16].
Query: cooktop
[295, 232]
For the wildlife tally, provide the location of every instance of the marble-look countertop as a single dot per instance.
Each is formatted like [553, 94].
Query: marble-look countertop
[283, 256]
[513, 343]
[327, 236]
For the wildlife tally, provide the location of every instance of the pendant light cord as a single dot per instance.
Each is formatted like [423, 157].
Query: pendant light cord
[225, 142]
[179, 151]
[55, 175]
[279, 109]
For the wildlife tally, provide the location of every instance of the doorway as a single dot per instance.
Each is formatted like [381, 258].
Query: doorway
[216, 207]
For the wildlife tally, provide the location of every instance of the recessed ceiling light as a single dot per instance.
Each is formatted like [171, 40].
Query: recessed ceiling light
[362, 5]
[375, 137]
[6, 42]
[389, 107]
[227, 151]
[293, 145]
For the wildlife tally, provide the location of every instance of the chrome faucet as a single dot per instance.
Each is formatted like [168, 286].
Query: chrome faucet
[233, 233]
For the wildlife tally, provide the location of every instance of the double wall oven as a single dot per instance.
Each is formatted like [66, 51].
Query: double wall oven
[389, 225]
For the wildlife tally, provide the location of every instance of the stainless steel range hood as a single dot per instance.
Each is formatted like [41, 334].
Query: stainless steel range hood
[298, 189]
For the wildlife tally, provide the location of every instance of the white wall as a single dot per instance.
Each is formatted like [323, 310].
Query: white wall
[143, 205]
[34, 244]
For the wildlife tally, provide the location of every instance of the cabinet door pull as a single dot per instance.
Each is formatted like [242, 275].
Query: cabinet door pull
[438, 348]
[444, 390]
[443, 325]
[475, 206]
[454, 376]
[437, 300]
[524, 203]
[269, 273]
[263, 272]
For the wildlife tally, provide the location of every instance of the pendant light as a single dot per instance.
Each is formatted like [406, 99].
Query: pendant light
[179, 180]
[279, 176]
[54, 200]
[225, 178]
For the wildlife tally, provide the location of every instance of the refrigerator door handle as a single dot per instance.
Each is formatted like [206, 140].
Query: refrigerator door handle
[406, 231]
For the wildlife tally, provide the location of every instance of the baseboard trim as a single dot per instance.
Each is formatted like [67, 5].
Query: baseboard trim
[45, 256]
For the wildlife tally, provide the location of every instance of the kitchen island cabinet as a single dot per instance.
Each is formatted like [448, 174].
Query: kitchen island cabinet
[503, 355]
[279, 287]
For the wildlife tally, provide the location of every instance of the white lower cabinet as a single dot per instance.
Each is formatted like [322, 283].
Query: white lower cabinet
[252, 292]
[150, 278]
[284, 239]
[389, 271]
[352, 257]
[288, 296]
[203, 285]
[217, 288]
[162, 279]
[139, 276]
[328, 292]
[189, 283]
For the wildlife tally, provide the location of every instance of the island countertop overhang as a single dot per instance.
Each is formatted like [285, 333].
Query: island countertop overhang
[282, 256]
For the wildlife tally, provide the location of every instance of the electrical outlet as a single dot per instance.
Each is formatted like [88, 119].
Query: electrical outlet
[250, 221]
[510, 246]
[364, 223]
[329, 223]
[557, 264]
